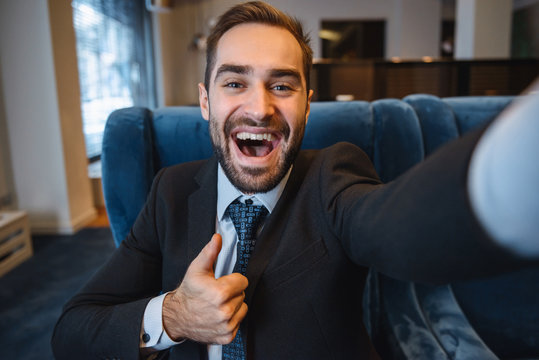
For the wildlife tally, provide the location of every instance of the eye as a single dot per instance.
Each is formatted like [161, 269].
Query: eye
[233, 85]
[282, 87]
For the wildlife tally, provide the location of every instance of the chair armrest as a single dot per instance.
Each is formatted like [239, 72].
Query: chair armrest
[423, 322]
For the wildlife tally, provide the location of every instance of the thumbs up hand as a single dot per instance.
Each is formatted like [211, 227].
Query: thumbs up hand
[202, 308]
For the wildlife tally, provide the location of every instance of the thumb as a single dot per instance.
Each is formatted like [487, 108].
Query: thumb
[203, 263]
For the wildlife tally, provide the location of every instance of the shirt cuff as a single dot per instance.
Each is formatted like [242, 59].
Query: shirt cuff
[152, 333]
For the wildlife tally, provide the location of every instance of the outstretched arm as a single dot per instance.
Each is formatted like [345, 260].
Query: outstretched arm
[504, 177]
[424, 225]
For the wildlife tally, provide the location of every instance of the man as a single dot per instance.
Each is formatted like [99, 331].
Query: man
[324, 217]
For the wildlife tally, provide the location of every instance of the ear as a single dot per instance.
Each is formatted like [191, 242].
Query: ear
[203, 100]
[308, 109]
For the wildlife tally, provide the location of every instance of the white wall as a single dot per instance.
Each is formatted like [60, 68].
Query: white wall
[415, 29]
[5, 168]
[412, 31]
[493, 20]
[483, 29]
[4, 191]
[79, 188]
[44, 145]
[464, 30]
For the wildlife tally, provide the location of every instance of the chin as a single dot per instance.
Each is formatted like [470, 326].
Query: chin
[250, 180]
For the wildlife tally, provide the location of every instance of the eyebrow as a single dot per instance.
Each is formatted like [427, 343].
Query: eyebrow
[246, 69]
[280, 73]
[236, 69]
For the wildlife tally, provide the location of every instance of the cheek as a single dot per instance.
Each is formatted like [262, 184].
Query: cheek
[296, 121]
[221, 111]
[216, 118]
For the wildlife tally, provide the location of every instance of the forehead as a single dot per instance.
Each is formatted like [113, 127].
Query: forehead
[260, 46]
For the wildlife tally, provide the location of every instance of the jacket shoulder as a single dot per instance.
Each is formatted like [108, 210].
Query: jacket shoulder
[342, 154]
[183, 175]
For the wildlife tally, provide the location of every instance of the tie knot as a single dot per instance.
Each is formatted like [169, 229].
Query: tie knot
[246, 218]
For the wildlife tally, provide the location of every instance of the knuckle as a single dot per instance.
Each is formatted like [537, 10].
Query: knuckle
[220, 295]
[221, 341]
[242, 310]
[224, 339]
[236, 280]
[227, 339]
[241, 280]
[231, 329]
[226, 312]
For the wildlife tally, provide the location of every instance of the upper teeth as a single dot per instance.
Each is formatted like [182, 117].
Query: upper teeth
[250, 136]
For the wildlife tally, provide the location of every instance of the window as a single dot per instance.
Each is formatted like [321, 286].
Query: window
[114, 61]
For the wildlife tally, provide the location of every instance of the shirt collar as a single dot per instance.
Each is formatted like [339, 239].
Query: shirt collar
[226, 193]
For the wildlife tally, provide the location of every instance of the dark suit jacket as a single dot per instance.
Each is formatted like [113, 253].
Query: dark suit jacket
[306, 276]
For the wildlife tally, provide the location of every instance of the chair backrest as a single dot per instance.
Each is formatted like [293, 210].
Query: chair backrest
[396, 134]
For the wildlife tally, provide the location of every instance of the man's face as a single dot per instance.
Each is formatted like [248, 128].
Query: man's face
[257, 105]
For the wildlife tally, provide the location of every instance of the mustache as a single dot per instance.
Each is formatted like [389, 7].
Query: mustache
[274, 123]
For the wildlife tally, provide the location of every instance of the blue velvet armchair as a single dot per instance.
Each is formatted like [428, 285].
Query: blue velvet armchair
[487, 319]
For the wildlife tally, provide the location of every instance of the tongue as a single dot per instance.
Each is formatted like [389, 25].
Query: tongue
[255, 148]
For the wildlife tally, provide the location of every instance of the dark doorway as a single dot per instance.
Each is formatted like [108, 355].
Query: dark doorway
[356, 39]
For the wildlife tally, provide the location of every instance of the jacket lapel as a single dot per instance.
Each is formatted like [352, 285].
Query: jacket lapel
[202, 209]
[273, 231]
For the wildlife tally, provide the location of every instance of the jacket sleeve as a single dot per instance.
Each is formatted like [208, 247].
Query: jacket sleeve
[104, 319]
[419, 227]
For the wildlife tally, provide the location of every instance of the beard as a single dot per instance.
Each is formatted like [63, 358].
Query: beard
[251, 179]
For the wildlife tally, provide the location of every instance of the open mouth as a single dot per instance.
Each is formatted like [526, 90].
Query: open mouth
[256, 144]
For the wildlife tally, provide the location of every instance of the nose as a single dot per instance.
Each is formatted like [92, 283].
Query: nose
[259, 104]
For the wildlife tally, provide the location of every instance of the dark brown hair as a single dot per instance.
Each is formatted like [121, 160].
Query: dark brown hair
[262, 13]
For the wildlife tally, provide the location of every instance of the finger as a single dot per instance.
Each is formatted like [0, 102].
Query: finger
[234, 325]
[239, 315]
[224, 295]
[203, 263]
[235, 282]
[238, 301]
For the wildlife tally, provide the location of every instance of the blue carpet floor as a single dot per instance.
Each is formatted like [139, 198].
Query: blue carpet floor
[32, 294]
